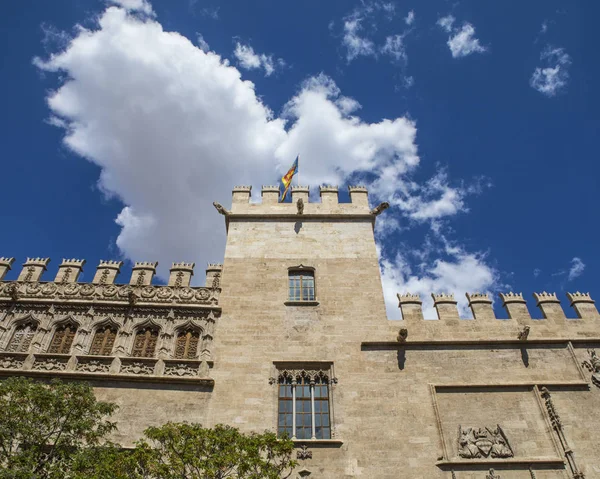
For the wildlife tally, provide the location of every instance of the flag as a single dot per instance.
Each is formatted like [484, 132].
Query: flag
[287, 179]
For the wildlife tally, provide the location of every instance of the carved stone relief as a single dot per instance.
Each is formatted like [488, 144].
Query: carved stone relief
[181, 369]
[303, 453]
[50, 364]
[593, 365]
[11, 362]
[483, 442]
[93, 366]
[103, 291]
[137, 367]
[492, 475]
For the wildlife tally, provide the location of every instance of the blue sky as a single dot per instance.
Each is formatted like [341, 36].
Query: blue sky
[124, 120]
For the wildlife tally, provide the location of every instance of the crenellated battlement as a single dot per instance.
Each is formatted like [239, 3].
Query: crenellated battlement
[65, 288]
[329, 204]
[516, 306]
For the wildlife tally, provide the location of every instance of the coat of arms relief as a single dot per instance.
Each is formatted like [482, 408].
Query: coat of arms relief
[483, 442]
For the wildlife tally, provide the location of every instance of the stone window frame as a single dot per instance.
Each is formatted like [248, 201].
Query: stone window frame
[68, 322]
[306, 369]
[15, 327]
[106, 323]
[302, 302]
[147, 325]
[190, 325]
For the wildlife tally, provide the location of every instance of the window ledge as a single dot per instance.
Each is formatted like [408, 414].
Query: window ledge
[301, 303]
[320, 442]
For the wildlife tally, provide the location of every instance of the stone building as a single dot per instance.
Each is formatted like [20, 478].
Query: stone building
[290, 334]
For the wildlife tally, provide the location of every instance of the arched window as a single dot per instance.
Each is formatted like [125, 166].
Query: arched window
[21, 338]
[145, 342]
[104, 340]
[301, 284]
[187, 344]
[63, 339]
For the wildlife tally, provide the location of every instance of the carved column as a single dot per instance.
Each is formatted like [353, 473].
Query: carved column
[558, 428]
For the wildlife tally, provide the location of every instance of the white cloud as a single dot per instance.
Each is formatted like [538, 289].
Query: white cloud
[181, 127]
[354, 43]
[134, 5]
[202, 43]
[544, 28]
[394, 46]
[435, 199]
[458, 273]
[552, 78]
[462, 41]
[576, 269]
[536, 272]
[410, 18]
[250, 60]
[446, 23]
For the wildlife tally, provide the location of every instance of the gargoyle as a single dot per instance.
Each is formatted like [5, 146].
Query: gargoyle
[402, 335]
[300, 205]
[380, 208]
[524, 333]
[220, 209]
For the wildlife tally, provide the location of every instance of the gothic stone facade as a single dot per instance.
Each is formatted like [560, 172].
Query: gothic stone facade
[290, 334]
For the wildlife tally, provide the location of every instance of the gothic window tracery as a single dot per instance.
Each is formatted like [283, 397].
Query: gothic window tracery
[22, 337]
[304, 404]
[145, 341]
[186, 346]
[63, 339]
[104, 340]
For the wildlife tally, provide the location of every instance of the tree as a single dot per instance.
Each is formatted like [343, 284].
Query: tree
[190, 451]
[45, 426]
[59, 430]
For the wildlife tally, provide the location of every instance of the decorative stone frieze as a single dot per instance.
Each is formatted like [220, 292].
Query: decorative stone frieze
[109, 292]
[138, 366]
[12, 361]
[51, 362]
[181, 368]
[94, 364]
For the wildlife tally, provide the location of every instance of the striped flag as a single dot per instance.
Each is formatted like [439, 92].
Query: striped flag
[287, 179]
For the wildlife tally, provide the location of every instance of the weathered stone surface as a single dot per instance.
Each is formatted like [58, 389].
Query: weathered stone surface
[398, 401]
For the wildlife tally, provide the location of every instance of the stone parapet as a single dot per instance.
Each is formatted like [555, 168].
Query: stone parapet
[69, 270]
[270, 194]
[33, 269]
[102, 289]
[515, 305]
[181, 274]
[213, 275]
[5, 266]
[241, 194]
[300, 192]
[359, 195]
[550, 305]
[583, 305]
[107, 271]
[329, 195]
[445, 305]
[481, 306]
[270, 207]
[142, 273]
[410, 306]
